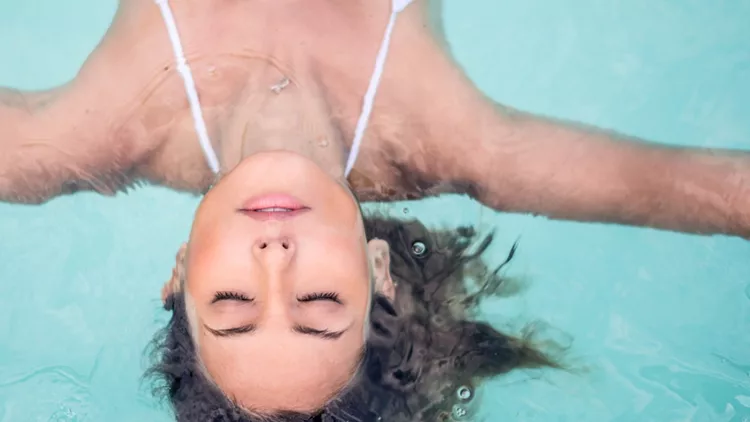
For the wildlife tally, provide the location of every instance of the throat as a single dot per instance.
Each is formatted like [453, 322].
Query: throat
[283, 116]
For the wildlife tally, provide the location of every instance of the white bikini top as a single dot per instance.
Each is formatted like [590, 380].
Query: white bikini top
[397, 6]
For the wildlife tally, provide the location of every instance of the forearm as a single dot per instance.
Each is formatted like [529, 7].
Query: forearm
[567, 172]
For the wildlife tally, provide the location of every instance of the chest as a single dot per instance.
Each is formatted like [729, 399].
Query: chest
[241, 59]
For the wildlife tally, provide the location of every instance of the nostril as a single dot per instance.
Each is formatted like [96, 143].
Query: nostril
[263, 245]
[285, 245]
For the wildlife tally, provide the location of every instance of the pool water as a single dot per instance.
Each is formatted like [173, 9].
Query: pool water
[661, 321]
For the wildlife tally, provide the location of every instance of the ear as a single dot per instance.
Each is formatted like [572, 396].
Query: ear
[174, 284]
[380, 261]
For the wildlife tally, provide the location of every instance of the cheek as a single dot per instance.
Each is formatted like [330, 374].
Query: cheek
[337, 262]
[214, 258]
[347, 252]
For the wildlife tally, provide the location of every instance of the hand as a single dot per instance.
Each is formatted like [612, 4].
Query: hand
[742, 204]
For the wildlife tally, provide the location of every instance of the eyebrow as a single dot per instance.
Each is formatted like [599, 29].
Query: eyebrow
[301, 329]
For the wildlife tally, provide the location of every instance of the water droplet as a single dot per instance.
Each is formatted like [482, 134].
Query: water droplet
[281, 85]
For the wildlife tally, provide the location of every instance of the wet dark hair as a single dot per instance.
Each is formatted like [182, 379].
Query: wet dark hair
[425, 355]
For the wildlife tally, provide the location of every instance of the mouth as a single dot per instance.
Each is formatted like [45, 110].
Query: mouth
[266, 214]
[273, 207]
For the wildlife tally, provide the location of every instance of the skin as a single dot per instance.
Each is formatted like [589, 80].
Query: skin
[95, 134]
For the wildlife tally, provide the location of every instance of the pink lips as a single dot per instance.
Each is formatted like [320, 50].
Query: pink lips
[273, 207]
[273, 201]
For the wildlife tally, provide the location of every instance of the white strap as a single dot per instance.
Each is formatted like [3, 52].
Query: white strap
[192, 92]
[397, 6]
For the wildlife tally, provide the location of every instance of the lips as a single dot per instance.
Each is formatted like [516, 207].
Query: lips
[273, 207]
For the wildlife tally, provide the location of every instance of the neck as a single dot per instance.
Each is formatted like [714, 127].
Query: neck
[277, 114]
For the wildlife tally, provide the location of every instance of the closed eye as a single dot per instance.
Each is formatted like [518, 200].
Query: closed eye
[326, 296]
[230, 296]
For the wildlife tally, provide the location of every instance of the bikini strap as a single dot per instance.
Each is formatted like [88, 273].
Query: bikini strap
[397, 6]
[191, 91]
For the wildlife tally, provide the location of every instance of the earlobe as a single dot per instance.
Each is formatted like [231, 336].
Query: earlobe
[174, 284]
[380, 261]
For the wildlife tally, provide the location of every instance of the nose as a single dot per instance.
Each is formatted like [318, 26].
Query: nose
[273, 257]
[274, 252]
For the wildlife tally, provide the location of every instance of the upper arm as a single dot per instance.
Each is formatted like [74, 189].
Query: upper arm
[39, 157]
[83, 135]
[517, 162]
[60, 141]
[525, 163]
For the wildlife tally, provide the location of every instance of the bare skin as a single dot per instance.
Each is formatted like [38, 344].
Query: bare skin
[125, 119]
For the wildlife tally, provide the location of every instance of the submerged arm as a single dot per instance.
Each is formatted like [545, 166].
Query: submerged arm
[523, 163]
[517, 162]
[54, 143]
[84, 135]
[26, 174]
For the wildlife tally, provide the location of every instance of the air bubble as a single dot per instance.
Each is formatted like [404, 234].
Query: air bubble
[464, 393]
[459, 412]
[63, 415]
[418, 248]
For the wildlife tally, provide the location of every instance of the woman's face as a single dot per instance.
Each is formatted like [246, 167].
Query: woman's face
[278, 283]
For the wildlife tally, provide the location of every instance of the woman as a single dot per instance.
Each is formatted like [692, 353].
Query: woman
[282, 286]
[424, 354]
[273, 73]
[283, 306]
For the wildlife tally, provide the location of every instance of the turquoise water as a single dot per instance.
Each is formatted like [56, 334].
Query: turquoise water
[661, 320]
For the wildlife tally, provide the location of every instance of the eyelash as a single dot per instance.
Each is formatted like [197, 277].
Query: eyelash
[330, 296]
[230, 296]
